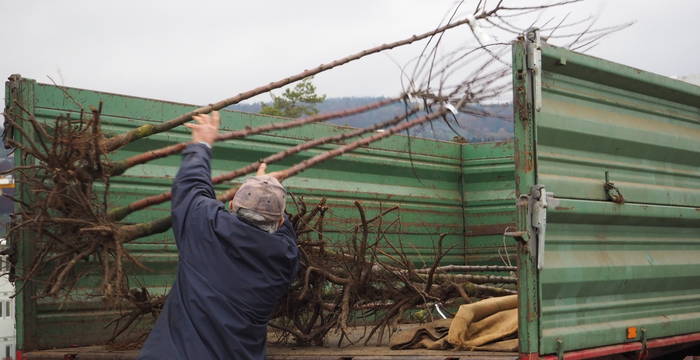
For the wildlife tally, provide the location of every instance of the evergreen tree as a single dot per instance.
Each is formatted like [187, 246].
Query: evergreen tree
[298, 101]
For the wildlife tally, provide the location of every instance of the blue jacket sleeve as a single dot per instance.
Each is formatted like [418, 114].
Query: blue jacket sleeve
[193, 180]
[194, 199]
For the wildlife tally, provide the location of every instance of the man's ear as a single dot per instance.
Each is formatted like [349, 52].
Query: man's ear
[282, 220]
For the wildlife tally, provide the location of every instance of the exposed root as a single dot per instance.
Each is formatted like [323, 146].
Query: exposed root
[63, 214]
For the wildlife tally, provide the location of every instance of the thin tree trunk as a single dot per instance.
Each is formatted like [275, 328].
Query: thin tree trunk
[120, 140]
[481, 279]
[468, 268]
[121, 212]
[296, 169]
[131, 232]
[118, 168]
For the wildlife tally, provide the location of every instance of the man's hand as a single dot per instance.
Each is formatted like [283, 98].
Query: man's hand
[263, 167]
[206, 129]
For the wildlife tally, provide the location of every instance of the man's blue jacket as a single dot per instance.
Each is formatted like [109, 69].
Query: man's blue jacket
[230, 274]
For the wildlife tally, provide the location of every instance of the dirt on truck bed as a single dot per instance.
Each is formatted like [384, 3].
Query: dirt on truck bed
[277, 352]
[376, 351]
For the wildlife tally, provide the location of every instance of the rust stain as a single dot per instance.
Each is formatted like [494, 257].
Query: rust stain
[529, 163]
[502, 143]
[521, 104]
[563, 208]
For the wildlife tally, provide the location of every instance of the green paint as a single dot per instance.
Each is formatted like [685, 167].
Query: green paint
[22, 91]
[525, 178]
[609, 266]
[380, 176]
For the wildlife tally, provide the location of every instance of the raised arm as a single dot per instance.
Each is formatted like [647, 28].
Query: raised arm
[193, 192]
[193, 180]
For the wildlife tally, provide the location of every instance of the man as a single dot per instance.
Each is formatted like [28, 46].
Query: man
[233, 268]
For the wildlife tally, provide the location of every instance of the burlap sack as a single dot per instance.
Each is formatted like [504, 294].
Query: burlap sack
[489, 325]
[466, 334]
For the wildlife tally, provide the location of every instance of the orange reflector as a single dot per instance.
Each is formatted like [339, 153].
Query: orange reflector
[631, 332]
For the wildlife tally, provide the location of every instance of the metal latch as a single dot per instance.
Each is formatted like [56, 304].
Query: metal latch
[612, 192]
[534, 65]
[560, 349]
[538, 219]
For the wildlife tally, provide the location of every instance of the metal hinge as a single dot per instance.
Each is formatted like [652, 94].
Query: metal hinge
[534, 65]
[539, 200]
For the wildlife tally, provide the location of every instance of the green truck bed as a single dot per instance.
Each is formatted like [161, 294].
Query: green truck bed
[591, 267]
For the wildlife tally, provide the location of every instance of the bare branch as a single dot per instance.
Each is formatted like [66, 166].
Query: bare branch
[121, 166]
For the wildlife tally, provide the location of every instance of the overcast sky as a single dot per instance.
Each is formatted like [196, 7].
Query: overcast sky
[203, 51]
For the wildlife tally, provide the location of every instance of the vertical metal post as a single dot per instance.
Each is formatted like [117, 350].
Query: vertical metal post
[525, 178]
[21, 91]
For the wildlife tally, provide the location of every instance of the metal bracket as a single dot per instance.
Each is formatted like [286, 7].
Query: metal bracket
[534, 64]
[643, 353]
[612, 192]
[537, 208]
[560, 349]
[13, 84]
[14, 80]
[519, 236]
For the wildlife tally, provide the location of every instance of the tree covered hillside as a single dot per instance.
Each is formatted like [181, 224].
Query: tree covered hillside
[497, 126]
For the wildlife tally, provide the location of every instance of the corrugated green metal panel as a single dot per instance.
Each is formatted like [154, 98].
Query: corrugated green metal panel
[610, 266]
[424, 184]
[489, 199]
[649, 146]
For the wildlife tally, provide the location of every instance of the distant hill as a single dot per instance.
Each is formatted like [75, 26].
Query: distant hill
[497, 126]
